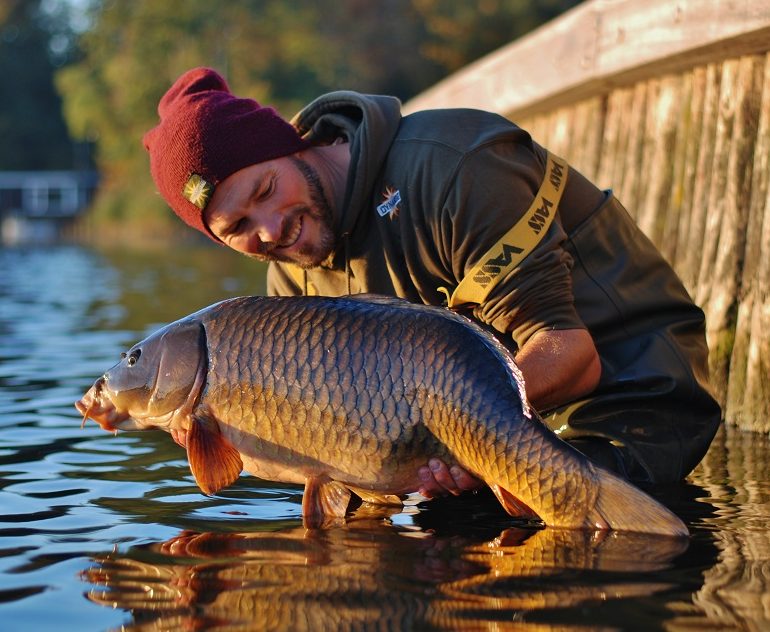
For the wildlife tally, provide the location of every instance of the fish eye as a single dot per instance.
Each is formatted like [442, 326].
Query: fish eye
[133, 357]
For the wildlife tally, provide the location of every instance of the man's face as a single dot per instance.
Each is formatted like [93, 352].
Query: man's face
[274, 211]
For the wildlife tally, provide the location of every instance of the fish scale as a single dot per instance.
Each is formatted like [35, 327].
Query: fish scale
[461, 375]
[356, 394]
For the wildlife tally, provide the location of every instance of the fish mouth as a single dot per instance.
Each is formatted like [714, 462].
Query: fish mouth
[95, 405]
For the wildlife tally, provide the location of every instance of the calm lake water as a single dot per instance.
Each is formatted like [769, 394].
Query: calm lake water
[103, 532]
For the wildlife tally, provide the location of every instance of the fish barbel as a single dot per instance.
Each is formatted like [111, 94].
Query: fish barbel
[353, 395]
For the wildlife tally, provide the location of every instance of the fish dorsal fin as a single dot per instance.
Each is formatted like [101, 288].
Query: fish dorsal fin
[323, 499]
[214, 462]
[380, 299]
[513, 505]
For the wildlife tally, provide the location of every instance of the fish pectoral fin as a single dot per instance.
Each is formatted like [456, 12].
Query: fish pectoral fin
[324, 499]
[214, 462]
[513, 505]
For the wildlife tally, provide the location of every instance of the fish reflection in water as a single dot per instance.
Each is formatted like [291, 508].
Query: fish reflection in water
[371, 573]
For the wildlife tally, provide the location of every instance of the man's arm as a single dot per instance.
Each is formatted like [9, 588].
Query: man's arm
[558, 366]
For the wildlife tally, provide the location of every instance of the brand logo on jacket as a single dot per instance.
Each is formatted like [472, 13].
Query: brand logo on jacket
[391, 204]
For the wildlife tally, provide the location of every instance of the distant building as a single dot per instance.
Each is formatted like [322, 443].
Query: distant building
[36, 204]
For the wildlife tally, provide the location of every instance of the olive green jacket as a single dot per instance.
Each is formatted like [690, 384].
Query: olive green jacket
[429, 194]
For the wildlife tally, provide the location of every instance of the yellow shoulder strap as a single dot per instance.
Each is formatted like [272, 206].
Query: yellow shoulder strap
[514, 246]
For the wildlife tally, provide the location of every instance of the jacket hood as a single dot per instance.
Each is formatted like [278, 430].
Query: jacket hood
[369, 124]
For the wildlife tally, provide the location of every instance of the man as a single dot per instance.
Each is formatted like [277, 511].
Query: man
[459, 207]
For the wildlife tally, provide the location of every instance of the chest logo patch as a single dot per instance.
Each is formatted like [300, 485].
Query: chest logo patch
[392, 203]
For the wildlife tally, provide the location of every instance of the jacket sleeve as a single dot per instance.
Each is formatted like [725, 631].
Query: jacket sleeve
[490, 191]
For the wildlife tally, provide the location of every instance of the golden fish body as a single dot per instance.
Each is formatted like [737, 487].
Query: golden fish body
[354, 394]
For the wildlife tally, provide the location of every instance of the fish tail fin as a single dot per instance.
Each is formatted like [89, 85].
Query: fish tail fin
[623, 507]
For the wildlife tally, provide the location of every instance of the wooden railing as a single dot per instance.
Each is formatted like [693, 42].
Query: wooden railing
[667, 102]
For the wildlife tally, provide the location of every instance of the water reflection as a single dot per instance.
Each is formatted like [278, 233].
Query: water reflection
[736, 587]
[372, 574]
[124, 515]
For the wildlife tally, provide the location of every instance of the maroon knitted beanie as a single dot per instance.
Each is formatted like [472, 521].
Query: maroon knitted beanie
[206, 134]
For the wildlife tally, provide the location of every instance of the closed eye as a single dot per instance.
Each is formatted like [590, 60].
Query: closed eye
[234, 228]
[264, 188]
[268, 189]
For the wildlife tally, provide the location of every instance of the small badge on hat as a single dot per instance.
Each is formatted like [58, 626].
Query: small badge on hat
[198, 191]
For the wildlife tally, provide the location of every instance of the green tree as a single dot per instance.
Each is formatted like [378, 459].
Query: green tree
[134, 52]
[281, 52]
[32, 127]
[459, 32]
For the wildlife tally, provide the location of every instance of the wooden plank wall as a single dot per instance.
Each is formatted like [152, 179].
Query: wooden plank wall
[688, 156]
[683, 140]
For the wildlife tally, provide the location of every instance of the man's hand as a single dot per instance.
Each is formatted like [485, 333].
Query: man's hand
[558, 366]
[440, 480]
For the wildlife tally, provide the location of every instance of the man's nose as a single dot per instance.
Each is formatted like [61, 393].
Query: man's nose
[268, 227]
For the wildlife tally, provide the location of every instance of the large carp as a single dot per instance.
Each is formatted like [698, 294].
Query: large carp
[354, 394]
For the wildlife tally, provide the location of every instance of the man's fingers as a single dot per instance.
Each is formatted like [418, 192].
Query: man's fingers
[464, 481]
[443, 477]
[438, 480]
[429, 487]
